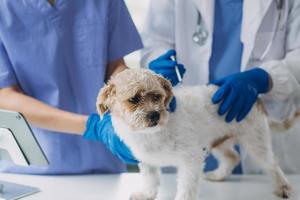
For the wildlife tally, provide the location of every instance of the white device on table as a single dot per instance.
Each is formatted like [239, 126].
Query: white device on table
[18, 143]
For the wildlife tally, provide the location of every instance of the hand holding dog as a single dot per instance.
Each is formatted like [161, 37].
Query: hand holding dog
[239, 92]
[102, 130]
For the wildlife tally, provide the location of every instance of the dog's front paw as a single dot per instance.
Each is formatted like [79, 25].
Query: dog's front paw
[215, 176]
[284, 191]
[142, 196]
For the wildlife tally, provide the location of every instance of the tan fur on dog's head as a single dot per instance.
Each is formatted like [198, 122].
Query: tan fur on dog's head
[138, 96]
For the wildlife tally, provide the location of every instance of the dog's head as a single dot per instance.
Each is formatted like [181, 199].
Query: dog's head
[138, 96]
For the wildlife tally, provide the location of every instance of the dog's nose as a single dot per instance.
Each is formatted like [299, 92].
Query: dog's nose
[153, 116]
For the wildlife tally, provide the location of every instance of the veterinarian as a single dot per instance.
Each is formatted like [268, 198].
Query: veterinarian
[54, 58]
[249, 48]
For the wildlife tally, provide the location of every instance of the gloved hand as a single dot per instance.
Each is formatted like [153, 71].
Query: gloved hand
[165, 66]
[239, 92]
[103, 131]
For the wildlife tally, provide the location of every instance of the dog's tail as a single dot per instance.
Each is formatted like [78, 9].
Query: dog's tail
[279, 126]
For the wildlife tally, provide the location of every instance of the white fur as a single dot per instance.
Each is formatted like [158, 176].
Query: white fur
[180, 143]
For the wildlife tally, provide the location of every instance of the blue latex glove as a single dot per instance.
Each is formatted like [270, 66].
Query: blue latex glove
[239, 92]
[166, 67]
[103, 131]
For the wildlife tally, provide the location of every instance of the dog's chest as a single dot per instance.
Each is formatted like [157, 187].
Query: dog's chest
[162, 157]
[157, 150]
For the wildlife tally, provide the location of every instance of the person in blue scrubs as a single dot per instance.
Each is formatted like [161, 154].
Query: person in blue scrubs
[55, 55]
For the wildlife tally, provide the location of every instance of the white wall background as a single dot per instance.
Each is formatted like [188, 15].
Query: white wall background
[138, 11]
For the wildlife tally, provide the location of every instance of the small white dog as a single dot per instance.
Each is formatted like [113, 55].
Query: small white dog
[138, 100]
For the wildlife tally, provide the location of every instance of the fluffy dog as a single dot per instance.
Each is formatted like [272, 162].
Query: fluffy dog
[138, 101]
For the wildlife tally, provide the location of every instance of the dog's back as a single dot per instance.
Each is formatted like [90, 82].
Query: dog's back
[194, 106]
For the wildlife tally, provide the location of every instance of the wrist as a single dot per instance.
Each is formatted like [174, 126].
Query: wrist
[83, 121]
[79, 123]
[261, 79]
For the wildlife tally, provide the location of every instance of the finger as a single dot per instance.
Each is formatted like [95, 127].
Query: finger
[165, 64]
[218, 82]
[182, 69]
[235, 109]
[167, 55]
[221, 93]
[173, 79]
[229, 100]
[247, 108]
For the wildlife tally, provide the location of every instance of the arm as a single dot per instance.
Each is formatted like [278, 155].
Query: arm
[40, 114]
[44, 116]
[37, 113]
[115, 67]
[276, 81]
[285, 73]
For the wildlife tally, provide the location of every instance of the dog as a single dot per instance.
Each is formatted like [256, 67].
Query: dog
[138, 100]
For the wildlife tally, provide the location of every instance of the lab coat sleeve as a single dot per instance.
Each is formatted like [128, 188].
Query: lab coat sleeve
[123, 36]
[7, 74]
[285, 73]
[159, 30]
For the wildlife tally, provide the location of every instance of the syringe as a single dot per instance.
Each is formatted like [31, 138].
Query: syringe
[173, 58]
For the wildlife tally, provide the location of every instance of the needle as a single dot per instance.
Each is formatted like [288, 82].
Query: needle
[173, 58]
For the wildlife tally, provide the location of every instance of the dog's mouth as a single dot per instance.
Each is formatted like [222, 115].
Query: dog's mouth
[153, 124]
[148, 120]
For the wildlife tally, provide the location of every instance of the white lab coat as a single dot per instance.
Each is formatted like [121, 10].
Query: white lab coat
[171, 23]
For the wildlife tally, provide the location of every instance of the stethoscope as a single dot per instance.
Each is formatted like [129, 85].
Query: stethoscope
[201, 34]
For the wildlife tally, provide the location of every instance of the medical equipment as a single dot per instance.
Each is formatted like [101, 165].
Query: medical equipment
[173, 58]
[17, 143]
[279, 4]
[200, 36]
[18, 126]
[167, 66]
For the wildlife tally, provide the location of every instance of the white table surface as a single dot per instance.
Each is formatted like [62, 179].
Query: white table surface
[119, 187]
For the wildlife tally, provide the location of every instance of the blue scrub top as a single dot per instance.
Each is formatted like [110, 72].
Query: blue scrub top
[58, 55]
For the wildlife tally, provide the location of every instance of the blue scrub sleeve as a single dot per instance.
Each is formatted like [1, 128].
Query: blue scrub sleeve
[7, 74]
[123, 35]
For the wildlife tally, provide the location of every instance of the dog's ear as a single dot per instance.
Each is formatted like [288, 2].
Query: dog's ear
[105, 98]
[167, 86]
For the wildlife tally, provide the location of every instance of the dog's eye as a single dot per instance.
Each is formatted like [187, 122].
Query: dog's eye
[156, 97]
[135, 100]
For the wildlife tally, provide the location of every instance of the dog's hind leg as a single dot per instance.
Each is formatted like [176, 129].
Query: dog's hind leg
[150, 178]
[224, 152]
[257, 143]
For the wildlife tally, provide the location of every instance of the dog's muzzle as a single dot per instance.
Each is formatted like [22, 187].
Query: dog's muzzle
[153, 118]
